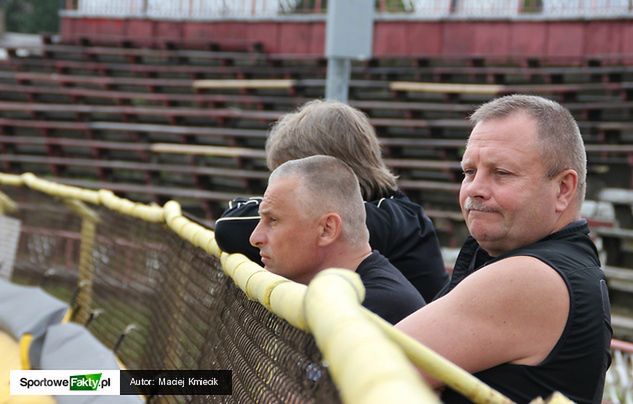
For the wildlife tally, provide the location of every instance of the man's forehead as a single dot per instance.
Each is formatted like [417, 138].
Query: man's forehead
[270, 200]
[516, 124]
[517, 131]
[279, 192]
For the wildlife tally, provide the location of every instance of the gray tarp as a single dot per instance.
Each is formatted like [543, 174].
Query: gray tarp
[27, 309]
[71, 346]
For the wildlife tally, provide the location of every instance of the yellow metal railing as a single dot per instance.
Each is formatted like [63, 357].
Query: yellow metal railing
[351, 339]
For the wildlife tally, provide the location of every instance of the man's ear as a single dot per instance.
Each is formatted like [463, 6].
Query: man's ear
[567, 182]
[330, 228]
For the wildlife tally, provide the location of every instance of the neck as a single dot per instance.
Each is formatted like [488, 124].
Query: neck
[565, 219]
[347, 257]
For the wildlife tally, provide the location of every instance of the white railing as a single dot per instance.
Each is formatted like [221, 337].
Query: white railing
[587, 8]
[516, 8]
[619, 379]
[424, 9]
[180, 8]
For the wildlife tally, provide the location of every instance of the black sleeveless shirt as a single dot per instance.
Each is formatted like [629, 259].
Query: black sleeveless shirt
[576, 366]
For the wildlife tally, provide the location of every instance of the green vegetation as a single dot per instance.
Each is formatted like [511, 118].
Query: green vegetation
[392, 6]
[32, 16]
[532, 6]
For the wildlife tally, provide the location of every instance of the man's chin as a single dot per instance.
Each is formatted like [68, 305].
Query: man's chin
[483, 235]
[487, 227]
[271, 269]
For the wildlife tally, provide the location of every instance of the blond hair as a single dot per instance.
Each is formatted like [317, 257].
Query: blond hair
[334, 129]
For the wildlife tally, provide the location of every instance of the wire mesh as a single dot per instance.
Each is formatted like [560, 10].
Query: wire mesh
[161, 303]
[48, 247]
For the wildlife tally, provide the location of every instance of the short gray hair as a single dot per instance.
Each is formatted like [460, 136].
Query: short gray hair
[332, 128]
[328, 185]
[561, 142]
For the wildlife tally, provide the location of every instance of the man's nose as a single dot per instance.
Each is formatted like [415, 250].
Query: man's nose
[478, 186]
[257, 237]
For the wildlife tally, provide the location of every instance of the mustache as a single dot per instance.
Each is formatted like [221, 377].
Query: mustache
[474, 204]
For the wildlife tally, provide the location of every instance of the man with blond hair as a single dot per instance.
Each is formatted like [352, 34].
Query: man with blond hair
[398, 227]
[312, 218]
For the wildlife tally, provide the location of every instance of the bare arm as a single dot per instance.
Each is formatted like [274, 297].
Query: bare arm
[512, 311]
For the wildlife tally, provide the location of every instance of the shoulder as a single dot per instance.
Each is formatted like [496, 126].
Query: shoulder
[396, 210]
[387, 292]
[376, 265]
[524, 268]
[377, 273]
[511, 311]
[241, 208]
[521, 285]
[394, 202]
[234, 227]
[528, 300]
[240, 205]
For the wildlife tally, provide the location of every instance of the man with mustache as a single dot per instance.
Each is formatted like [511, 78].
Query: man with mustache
[527, 308]
[312, 218]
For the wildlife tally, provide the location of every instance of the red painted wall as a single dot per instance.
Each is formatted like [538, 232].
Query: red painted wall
[528, 38]
[391, 38]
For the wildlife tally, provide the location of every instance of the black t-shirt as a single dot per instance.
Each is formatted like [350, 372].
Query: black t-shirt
[398, 228]
[387, 292]
[403, 233]
[576, 366]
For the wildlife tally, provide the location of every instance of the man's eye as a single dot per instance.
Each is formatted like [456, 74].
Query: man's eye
[468, 172]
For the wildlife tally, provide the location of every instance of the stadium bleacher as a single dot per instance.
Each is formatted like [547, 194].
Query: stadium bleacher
[119, 117]
[118, 100]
